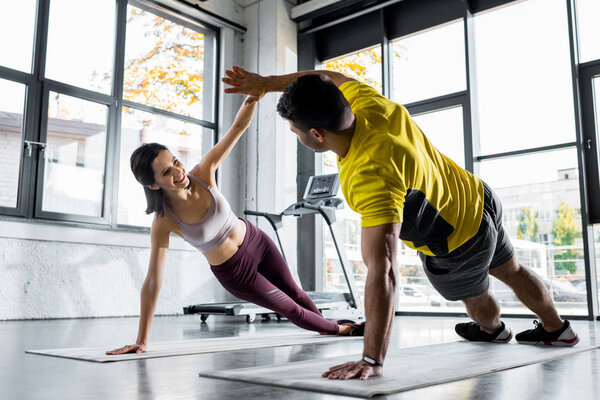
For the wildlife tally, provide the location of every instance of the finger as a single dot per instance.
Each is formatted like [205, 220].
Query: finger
[349, 373]
[230, 73]
[234, 90]
[337, 373]
[230, 81]
[365, 374]
[340, 366]
[117, 351]
[239, 70]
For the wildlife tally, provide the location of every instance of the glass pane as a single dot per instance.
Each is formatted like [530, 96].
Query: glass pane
[164, 64]
[597, 254]
[81, 43]
[416, 64]
[596, 88]
[444, 128]
[74, 156]
[524, 76]
[183, 140]
[12, 104]
[364, 65]
[18, 24]
[414, 292]
[348, 225]
[541, 213]
[588, 21]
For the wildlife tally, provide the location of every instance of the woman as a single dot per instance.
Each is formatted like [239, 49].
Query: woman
[242, 257]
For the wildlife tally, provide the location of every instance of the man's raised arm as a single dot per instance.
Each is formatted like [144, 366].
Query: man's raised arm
[255, 86]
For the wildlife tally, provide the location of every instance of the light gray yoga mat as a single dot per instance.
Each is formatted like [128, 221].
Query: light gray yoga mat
[193, 346]
[405, 369]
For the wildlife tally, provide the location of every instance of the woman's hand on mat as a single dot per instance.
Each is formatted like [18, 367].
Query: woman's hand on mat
[351, 370]
[130, 348]
[242, 81]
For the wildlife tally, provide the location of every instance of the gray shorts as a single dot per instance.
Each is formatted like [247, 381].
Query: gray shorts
[464, 272]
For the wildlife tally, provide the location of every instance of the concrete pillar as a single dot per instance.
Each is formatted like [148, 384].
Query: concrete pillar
[270, 164]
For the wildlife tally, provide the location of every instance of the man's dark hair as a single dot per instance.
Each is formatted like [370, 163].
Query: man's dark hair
[141, 166]
[313, 101]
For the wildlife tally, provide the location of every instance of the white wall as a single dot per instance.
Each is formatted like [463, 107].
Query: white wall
[59, 271]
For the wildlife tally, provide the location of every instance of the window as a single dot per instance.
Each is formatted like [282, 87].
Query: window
[67, 112]
[444, 128]
[524, 76]
[364, 65]
[12, 104]
[548, 206]
[18, 24]
[596, 85]
[588, 22]
[74, 157]
[417, 60]
[164, 64]
[82, 60]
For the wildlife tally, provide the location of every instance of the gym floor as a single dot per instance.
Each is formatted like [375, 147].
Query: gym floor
[26, 376]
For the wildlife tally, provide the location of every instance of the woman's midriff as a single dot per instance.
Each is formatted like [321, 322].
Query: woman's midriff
[229, 247]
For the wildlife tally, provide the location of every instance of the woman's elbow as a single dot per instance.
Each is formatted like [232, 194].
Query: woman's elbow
[151, 286]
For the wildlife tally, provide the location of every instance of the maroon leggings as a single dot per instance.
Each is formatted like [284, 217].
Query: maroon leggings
[259, 274]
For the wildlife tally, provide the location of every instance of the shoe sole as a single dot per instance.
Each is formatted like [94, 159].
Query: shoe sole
[555, 343]
[506, 340]
[503, 340]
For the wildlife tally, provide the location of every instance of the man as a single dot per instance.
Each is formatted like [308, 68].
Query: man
[404, 187]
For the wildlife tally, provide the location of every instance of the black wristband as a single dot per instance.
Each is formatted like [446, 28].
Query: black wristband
[372, 361]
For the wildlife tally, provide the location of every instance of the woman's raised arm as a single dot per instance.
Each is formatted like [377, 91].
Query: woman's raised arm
[219, 152]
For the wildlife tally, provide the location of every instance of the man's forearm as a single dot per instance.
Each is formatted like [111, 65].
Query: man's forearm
[379, 309]
[278, 83]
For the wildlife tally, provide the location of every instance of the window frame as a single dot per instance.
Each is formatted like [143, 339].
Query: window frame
[35, 114]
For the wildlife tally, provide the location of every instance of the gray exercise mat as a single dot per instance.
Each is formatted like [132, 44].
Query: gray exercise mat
[194, 346]
[405, 369]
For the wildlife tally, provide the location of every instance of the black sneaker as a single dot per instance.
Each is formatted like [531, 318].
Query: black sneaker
[473, 333]
[564, 337]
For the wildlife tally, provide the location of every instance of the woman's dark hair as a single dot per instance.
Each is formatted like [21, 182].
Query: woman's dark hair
[313, 101]
[141, 166]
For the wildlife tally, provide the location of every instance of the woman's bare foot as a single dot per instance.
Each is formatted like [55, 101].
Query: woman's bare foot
[344, 329]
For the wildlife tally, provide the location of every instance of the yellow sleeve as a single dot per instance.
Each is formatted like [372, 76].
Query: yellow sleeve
[376, 199]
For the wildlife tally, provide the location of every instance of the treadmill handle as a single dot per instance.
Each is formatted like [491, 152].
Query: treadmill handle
[276, 223]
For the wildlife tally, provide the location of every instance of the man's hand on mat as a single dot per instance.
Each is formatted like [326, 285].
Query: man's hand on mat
[131, 348]
[242, 81]
[350, 370]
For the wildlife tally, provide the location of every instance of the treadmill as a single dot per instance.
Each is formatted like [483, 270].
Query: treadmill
[319, 198]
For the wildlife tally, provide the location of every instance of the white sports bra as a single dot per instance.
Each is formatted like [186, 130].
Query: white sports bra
[214, 228]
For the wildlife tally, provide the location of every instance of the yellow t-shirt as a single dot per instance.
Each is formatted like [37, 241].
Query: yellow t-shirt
[392, 173]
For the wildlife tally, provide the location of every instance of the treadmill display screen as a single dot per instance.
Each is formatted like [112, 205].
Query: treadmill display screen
[322, 186]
